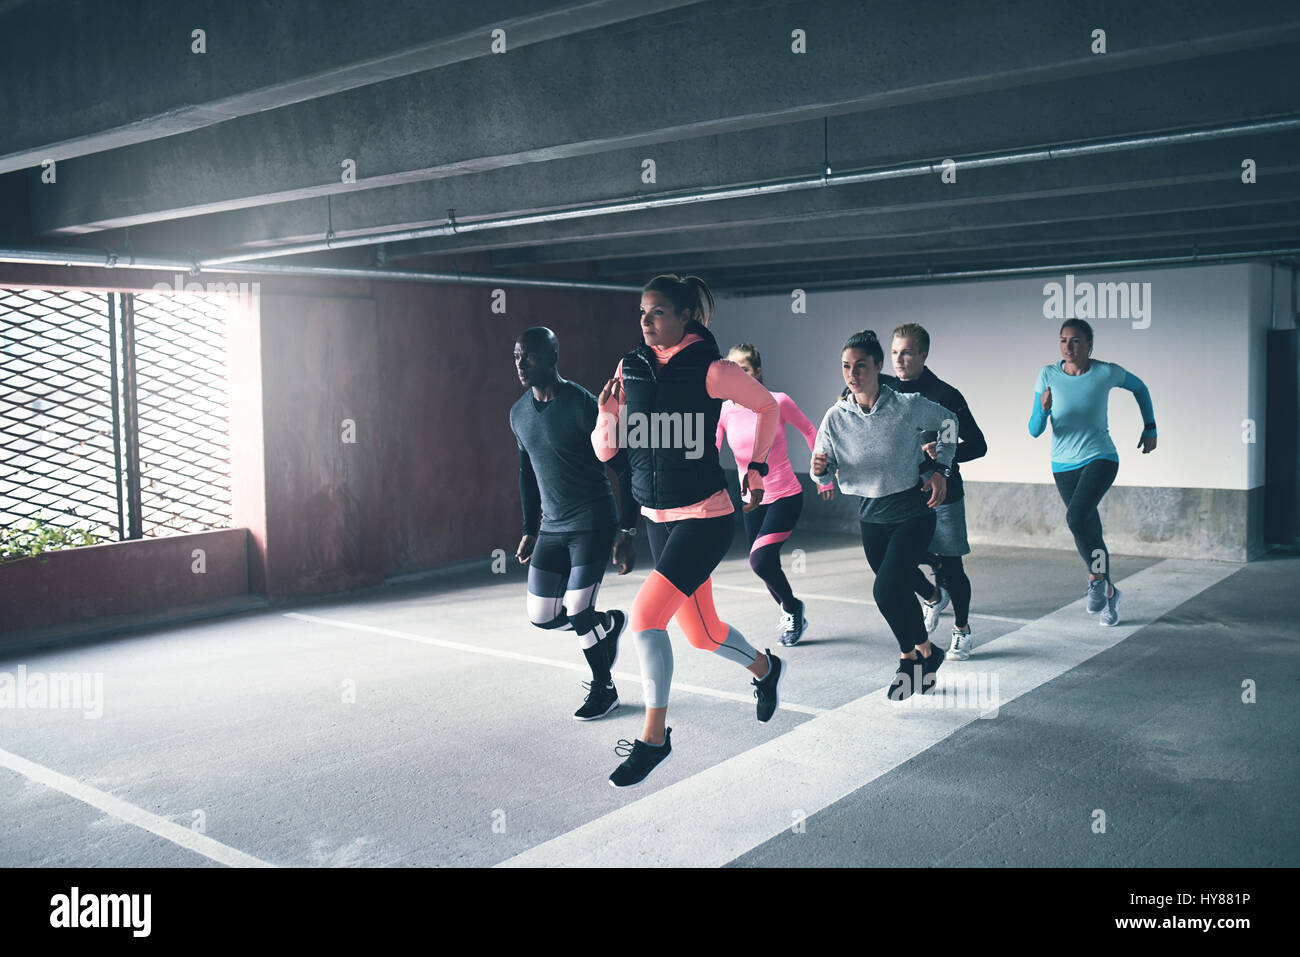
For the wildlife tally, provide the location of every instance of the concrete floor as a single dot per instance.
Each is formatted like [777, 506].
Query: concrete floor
[428, 724]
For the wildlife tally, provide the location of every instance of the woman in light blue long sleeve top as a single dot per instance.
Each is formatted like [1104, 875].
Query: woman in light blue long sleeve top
[1072, 394]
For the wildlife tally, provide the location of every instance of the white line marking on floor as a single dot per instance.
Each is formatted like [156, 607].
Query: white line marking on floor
[124, 811]
[828, 758]
[538, 660]
[863, 601]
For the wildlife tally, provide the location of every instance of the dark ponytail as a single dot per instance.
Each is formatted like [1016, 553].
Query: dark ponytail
[867, 342]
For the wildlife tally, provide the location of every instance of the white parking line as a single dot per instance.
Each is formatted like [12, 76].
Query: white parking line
[864, 601]
[538, 660]
[124, 811]
[783, 782]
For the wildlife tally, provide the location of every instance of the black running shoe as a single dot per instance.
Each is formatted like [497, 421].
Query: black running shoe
[907, 679]
[928, 668]
[793, 625]
[600, 701]
[641, 758]
[620, 622]
[766, 688]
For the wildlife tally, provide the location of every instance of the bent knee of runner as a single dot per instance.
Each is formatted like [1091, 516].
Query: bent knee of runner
[655, 603]
[546, 612]
[883, 592]
[699, 633]
[1078, 519]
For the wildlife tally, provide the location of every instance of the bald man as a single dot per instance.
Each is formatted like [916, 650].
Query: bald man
[570, 522]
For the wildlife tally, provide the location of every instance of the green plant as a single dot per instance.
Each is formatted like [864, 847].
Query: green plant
[41, 536]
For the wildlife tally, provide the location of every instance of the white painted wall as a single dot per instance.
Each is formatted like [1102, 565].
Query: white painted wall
[1260, 316]
[1199, 357]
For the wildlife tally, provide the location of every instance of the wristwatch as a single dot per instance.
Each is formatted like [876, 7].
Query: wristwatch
[759, 467]
[630, 532]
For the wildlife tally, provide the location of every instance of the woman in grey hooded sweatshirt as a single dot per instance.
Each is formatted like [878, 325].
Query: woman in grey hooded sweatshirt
[870, 440]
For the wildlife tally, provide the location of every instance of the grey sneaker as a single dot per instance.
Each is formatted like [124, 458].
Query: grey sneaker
[931, 609]
[1096, 595]
[1110, 615]
[959, 650]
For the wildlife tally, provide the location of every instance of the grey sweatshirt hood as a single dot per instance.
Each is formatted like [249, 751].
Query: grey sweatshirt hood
[876, 453]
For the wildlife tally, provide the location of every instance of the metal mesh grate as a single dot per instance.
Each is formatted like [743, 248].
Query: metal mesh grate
[184, 412]
[60, 405]
[56, 424]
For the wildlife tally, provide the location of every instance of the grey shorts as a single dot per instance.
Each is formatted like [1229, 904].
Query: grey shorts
[950, 530]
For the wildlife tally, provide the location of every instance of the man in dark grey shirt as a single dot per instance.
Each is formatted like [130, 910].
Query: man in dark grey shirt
[569, 516]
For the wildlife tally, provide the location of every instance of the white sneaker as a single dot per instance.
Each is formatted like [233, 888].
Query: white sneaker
[931, 609]
[959, 650]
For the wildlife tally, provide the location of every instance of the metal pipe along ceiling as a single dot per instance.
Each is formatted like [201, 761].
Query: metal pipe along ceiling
[1008, 272]
[77, 257]
[1012, 158]
[247, 262]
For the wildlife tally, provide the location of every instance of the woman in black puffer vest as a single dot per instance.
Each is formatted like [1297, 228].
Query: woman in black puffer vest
[662, 407]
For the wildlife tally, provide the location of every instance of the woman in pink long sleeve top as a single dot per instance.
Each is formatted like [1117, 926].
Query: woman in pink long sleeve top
[770, 524]
[662, 406]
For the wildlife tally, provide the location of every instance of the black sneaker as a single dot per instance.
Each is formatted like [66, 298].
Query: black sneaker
[620, 622]
[906, 680]
[793, 625]
[600, 701]
[642, 758]
[766, 688]
[928, 668]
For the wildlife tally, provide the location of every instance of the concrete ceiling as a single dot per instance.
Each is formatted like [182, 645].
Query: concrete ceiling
[239, 150]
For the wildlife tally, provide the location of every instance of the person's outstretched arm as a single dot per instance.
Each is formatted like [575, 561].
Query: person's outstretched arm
[530, 495]
[628, 510]
[604, 437]
[933, 417]
[726, 380]
[792, 414]
[619, 464]
[1038, 416]
[825, 445]
[1143, 396]
[971, 444]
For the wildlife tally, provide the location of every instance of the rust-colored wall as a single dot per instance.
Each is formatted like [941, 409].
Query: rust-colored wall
[324, 495]
[425, 371]
[451, 466]
[121, 578]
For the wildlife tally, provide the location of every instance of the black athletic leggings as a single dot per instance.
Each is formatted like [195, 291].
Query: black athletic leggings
[767, 528]
[949, 572]
[564, 574]
[1082, 489]
[894, 551]
[686, 551]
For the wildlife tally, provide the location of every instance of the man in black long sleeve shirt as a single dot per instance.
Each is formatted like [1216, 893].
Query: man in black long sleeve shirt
[569, 518]
[911, 347]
